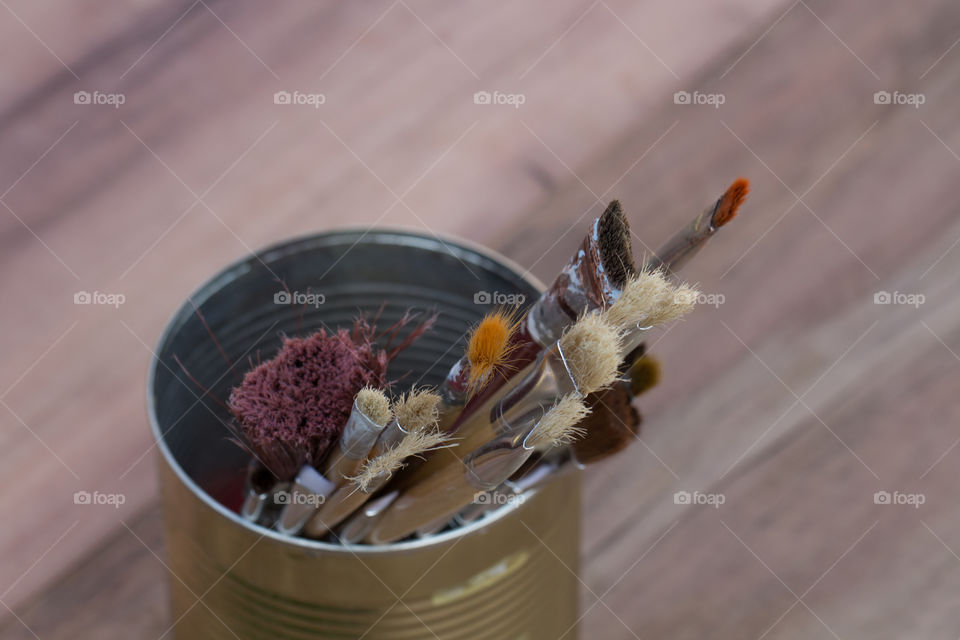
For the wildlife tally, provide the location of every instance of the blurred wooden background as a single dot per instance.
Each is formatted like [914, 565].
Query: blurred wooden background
[797, 399]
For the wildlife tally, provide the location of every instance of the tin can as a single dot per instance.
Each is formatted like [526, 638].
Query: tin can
[511, 575]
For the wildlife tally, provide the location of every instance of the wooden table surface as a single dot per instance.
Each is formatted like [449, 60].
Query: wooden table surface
[797, 399]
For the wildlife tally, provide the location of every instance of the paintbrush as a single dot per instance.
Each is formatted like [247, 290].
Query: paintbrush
[484, 468]
[489, 349]
[585, 359]
[414, 415]
[373, 475]
[685, 244]
[370, 414]
[593, 279]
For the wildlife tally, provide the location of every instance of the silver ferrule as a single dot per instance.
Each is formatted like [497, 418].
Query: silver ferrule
[308, 493]
[257, 489]
[359, 434]
[686, 243]
[389, 437]
[361, 523]
[523, 406]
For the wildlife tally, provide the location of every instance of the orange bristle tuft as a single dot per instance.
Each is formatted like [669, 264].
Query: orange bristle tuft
[489, 347]
[731, 201]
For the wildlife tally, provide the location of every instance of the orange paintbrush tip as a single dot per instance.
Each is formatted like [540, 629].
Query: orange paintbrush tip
[489, 347]
[730, 202]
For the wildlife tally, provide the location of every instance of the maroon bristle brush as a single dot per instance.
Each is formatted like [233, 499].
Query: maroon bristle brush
[292, 408]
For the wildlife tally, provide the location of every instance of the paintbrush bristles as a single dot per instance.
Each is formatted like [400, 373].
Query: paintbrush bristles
[417, 409]
[415, 443]
[649, 299]
[489, 347]
[374, 404]
[730, 201]
[559, 425]
[644, 374]
[613, 240]
[592, 350]
[643, 294]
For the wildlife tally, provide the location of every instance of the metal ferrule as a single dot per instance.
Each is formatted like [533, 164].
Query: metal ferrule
[358, 437]
[583, 285]
[359, 434]
[309, 491]
[523, 406]
[389, 438]
[492, 464]
[686, 243]
[257, 489]
[360, 524]
[507, 491]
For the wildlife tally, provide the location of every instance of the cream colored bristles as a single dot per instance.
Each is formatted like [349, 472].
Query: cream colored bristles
[417, 409]
[559, 425]
[374, 404]
[592, 350]
[414, 444]
[649, 299]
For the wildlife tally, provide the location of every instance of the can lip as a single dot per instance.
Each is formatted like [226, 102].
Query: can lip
[464, 249]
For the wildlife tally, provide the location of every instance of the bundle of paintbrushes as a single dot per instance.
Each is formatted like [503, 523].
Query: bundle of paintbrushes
[338, 454]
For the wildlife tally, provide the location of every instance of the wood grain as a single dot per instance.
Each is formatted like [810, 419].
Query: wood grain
[797, 399]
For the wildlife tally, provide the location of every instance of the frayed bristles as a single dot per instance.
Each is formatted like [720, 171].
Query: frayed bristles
[649, 300]
[559, 425]
[645, 293]
[592, 350]
[489, 347]
[730, 201]
[644, 375]
[414, 444]
[374, 404]
[683, 302]
[613, 239]
[417, 409]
